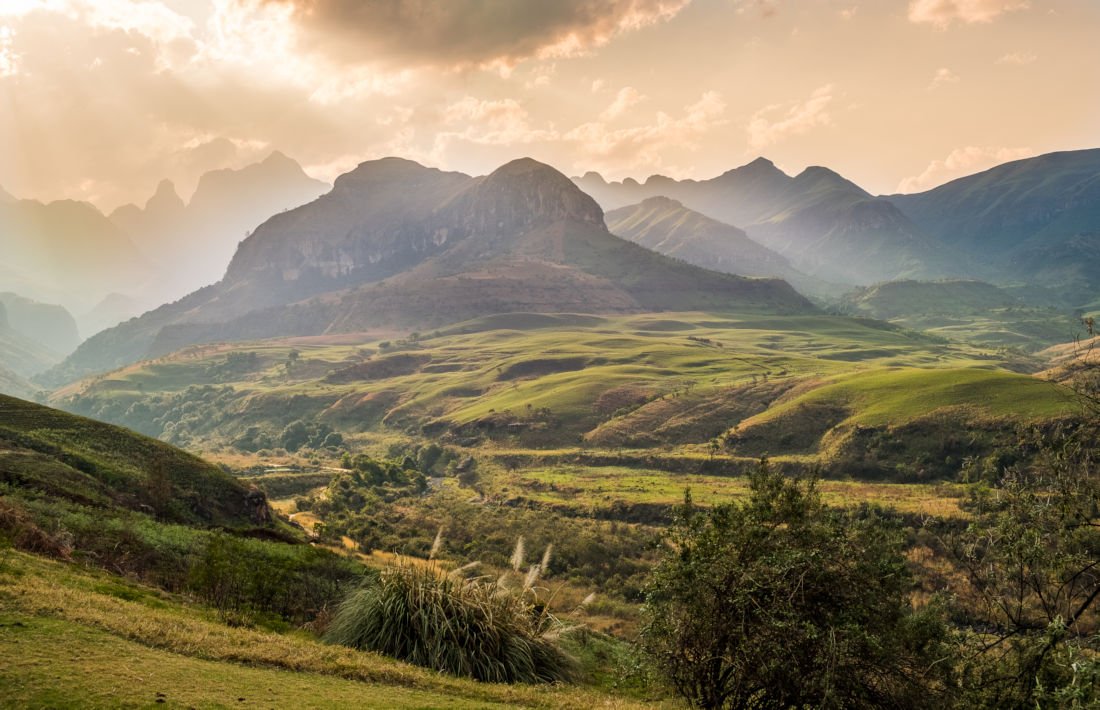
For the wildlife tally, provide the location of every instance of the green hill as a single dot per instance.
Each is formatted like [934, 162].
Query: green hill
[93, 463]
[972, 311]
[536, 379]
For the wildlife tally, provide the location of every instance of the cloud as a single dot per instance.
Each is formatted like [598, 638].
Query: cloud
[465, 33]
[943, 76]
[642, 146]
[799, 118]
[1021, 58]
[961, 162]
[627, 98]
[942, 13]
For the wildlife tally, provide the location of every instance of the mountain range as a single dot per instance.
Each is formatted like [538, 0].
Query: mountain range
[398, 245]
[66, 252]
[1035, 220]
[113, 268]
[667, 227]
[825, 225]
[193, 241]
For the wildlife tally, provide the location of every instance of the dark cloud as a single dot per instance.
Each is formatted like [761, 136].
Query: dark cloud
[460, 33]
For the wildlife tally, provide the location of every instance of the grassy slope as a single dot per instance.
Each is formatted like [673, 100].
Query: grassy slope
[971, 311]
[891, 396]
[91, 462]
[76, 638]
[500, 365]
[582, 490]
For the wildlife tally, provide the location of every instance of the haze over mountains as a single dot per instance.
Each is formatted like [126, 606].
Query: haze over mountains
[827, 226]
[399, 245]
[195, 240]
[666, 226]
[66, 252]
[1036, 220]
[108, 269]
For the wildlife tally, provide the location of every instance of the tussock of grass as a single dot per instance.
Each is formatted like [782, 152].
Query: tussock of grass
[474, 628]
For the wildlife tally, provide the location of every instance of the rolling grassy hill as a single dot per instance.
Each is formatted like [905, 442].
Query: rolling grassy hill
[972, 311]
[545, 380]
[93, 463]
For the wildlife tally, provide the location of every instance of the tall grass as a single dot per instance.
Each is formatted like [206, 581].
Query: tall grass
[474, 627]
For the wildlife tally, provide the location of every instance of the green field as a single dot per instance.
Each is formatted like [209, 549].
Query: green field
[588, 490]
[546, 381]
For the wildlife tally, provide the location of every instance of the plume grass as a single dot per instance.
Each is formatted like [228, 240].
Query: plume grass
[470, 627]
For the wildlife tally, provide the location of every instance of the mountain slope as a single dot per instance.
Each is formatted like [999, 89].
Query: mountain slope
[401, 245]
[14, 385]
[826, 225]
[48, 324]
[194, 241]
[1037, 218]
[68, 250]
[19, 354]
[667, 227]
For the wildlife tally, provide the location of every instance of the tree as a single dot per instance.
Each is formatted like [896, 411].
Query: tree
[1030, 588]
[780, 602]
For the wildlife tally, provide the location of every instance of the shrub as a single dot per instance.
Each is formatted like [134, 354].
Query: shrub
[781, 603]
[474, 628]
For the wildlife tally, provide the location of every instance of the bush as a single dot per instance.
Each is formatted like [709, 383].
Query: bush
[782, 603]
[472, 628]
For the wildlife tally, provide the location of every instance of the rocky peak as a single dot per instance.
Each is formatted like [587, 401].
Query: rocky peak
[818, 176]
[662, 202]
[761, 168]
[165, 199]
[382, 171]
[522, 194]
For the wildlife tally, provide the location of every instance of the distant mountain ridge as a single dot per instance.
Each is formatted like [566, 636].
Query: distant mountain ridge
[1036, 219]
[49, 324]
[667, 227]
[20, 355]
[400, 245]
[66, 252]
[827, 226]
[195, 240]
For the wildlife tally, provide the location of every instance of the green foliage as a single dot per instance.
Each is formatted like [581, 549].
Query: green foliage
[780, 602]
[611, 555]
[1030, 559]
[254, 579]
[473, 627]
[251, 577]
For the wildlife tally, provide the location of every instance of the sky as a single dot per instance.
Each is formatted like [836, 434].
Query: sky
[101, 99]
